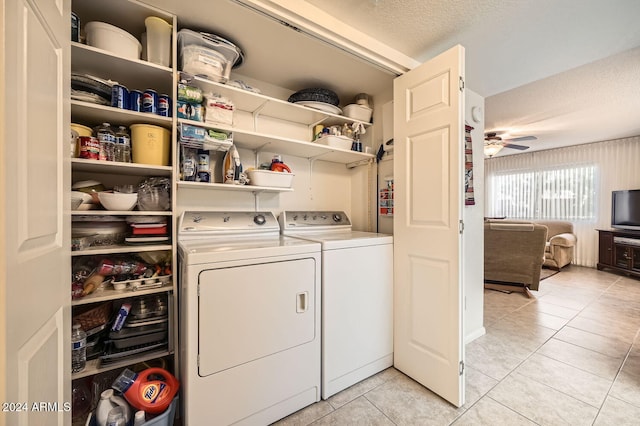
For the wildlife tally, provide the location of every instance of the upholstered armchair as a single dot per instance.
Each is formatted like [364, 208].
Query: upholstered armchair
[561, 242]
[513, 255]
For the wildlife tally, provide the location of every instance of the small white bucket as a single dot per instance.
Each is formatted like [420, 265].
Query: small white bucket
[158, 41]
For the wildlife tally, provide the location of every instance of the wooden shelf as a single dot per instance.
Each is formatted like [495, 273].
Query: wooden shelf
[93, 366]
[111, 294]
[131, 169]
[131, 73]
[256, 141]
[227, 187]
[121, 249]
[92, 115]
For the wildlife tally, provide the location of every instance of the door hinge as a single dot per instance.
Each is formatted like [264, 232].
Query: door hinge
[461, 226]
[461, 84]
[461, 368]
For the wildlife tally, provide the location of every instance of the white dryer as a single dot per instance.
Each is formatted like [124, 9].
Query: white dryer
[357, 296]
[249, 319]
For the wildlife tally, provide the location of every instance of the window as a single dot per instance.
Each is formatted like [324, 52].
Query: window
[559, 193]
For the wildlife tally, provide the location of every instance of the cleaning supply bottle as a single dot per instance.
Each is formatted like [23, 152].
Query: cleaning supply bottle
[139, 418]
[109, 401]
[152, 390]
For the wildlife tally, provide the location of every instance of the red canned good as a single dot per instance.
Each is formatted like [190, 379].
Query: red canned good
[88, 147]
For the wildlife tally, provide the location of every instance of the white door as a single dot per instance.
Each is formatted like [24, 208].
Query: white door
[35, 362]
[429, 188]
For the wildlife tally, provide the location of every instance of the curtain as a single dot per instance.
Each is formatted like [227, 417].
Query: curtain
[616, 165]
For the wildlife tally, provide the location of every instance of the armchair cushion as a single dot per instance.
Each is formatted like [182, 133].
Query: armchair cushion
[564, 240]
[514, 252]
[561, 243]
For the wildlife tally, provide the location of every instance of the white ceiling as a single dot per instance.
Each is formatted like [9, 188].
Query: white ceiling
[567, 71]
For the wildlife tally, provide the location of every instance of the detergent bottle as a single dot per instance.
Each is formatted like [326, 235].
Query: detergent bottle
[152, 390]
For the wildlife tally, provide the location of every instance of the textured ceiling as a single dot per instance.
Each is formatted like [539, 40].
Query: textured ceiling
[519, 54]
[565, 71]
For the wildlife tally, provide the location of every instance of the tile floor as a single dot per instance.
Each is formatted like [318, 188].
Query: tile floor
[569, 356]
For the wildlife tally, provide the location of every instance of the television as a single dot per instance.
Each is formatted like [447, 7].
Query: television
[625, 209]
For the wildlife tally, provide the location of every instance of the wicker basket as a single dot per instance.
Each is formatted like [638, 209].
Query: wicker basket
[94, 317]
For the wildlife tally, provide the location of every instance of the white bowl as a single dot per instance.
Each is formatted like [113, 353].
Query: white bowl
[268, 178]
[113, 39]
[117, 200]
[358, 112]
[342, 142]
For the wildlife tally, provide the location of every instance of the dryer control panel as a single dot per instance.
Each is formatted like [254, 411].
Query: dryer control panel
[290, 220]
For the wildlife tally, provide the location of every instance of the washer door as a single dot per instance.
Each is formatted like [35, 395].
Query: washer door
[250, 312]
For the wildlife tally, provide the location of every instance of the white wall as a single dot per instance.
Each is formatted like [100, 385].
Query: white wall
[473, 241]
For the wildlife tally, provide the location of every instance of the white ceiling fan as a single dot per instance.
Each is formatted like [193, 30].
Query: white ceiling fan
[493, 143]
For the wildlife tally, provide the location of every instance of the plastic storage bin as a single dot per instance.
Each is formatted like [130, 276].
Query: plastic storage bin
[342, 142]
[358, 112]
[164, 419]
[268, 178]
[205, 55]
[113, 39]
[150, 144]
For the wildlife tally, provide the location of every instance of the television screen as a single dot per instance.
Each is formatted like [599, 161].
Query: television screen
[625, 209]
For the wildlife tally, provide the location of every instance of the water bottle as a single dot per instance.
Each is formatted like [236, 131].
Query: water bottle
[107, 139]
[79, 349]
[123, 145]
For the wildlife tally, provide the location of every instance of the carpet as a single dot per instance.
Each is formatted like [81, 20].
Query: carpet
[546, 273]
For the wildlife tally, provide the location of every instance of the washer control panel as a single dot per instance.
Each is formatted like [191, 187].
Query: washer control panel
[208, 222]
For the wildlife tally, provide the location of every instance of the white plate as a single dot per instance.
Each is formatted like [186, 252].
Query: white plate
[321, 106]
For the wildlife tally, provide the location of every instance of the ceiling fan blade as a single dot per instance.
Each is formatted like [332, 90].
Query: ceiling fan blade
[514, 146]
[521, 139]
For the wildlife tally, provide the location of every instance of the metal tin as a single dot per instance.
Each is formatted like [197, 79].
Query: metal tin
[75, 27]
[119, 96]
[135, 100]
[150, 101]
[164, 105]
[88, 147]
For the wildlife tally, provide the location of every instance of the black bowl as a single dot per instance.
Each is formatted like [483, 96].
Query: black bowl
[315, 95]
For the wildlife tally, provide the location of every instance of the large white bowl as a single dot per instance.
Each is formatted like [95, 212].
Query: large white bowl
[269, 178]
[118, 200]
[113, 39]
[342, 142]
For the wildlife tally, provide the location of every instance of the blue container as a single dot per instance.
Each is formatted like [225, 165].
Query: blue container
[119, 96]
[135, 100]
[164, 105]
[150, 101]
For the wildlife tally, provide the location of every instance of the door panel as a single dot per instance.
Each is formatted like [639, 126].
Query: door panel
[35, 213]
[254, 311]
[429, 189]
[429, 208]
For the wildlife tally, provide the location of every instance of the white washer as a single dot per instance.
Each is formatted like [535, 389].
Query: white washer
[357, 296]
[249, 319]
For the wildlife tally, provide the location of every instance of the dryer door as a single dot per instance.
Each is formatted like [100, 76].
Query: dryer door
[250, 312]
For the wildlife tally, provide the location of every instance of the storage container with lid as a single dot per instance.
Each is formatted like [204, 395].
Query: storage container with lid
[206, 55]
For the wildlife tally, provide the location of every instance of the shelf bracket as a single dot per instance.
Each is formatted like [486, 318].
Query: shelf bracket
[359, 163]
[256, 115]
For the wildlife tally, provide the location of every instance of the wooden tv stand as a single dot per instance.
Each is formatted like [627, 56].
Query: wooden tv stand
[619, 250]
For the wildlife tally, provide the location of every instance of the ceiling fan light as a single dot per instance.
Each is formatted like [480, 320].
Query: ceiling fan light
[492, 149]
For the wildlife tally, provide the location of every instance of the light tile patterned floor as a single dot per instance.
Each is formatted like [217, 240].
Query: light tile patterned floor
[569, 356]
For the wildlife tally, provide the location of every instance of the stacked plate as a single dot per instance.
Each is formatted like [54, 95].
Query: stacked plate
[92, 89]
[322, 99]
